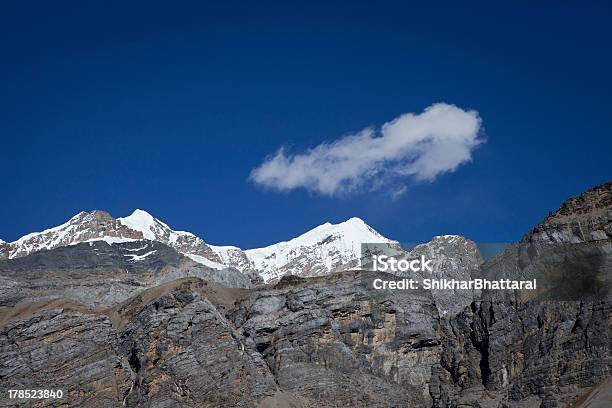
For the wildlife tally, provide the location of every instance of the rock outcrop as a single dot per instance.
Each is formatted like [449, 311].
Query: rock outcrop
[328, 341]
[454, 257]
[542, 351]
[540, 354]
[587, 217]
[101, 274]
[335, 340]
[168, 346]
[132, 325]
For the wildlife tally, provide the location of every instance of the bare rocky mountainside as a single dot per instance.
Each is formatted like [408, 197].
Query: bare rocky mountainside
[126, 312]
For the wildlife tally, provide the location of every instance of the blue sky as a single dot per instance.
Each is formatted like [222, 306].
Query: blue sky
[170, 109]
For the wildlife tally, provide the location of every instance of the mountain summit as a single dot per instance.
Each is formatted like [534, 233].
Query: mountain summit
[83, 227]
[184, 242]
[101, 226]
[324, 249]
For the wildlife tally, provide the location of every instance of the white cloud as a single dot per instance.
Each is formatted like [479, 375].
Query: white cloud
[411, 147]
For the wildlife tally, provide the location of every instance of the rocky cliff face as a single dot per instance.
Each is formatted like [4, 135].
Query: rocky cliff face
[327, 341]
[334, 340]
[169, 346]
[129, 325]
[508, 351]
[454, 257]
[587, 217]
[323, 342]
[514, 354]
[101, 274]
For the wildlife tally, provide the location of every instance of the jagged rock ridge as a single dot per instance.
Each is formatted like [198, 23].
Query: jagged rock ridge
[587, 217]
[101, 226]
[326, 341]
[504, 351]
[324, 249]
[100, 274]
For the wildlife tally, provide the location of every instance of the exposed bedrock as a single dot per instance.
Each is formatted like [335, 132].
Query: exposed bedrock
[333, 340]
[137, 324]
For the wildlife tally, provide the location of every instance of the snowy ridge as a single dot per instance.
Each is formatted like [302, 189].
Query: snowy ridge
[346, 237]
[324, 249]
[155, 230]
[206, 262]
[233, 256]
[152, 228]
[83, 227]
[144, 222]
[100, 226]
[56, 235]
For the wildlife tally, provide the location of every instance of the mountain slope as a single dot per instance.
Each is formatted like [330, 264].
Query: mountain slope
[184, 242]
[320, 342]
[101, 226]
[324, 249]
[542, 352]
[453, 257]
[83, 227]
[583, 218]
[101, 274]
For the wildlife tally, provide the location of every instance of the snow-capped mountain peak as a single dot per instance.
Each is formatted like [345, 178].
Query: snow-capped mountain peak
[353, 230]
[144, 222]
[324, 249]
[150, 227]
[184, 242]
[85, 226]
[101, 226]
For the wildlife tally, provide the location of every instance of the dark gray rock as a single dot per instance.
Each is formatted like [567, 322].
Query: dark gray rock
[513, 349]
[132, 336]
[100, 274]
[334, 340]
[62, 346]
[182, 351]
[168, 346]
